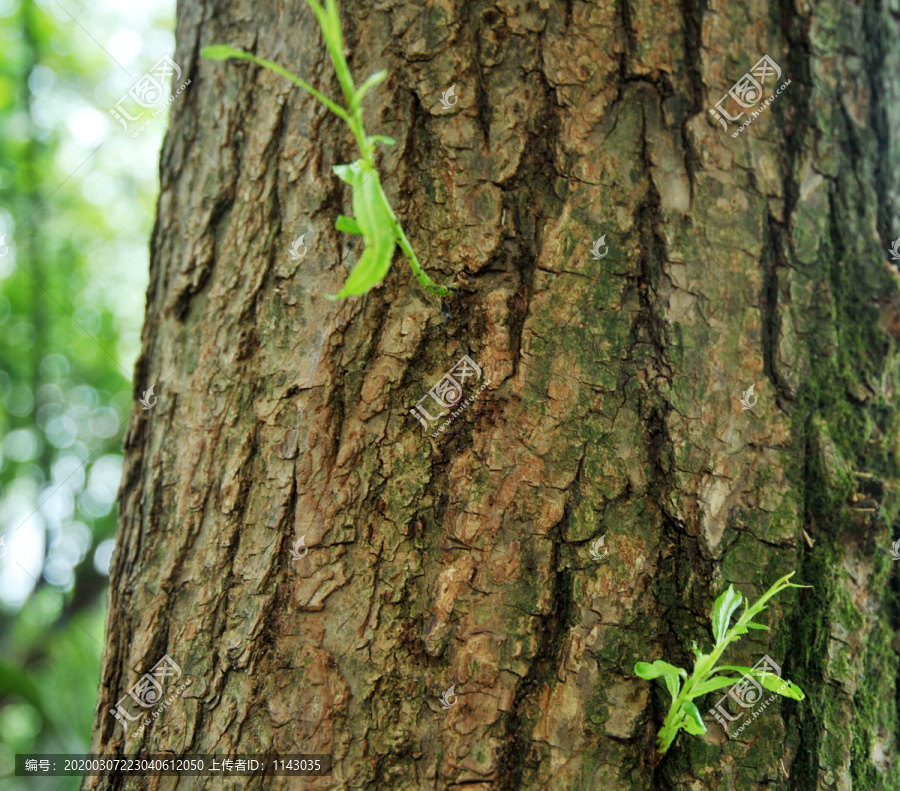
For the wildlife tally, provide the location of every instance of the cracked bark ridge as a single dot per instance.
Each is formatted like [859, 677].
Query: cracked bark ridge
[613, 406]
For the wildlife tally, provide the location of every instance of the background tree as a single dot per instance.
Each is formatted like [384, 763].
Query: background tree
[613, 407]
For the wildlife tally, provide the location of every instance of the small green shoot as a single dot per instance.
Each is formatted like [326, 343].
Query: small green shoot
[375, 221]
[683, 713]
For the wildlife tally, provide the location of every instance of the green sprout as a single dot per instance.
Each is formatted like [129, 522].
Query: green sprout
[683, 713]
[374, 219]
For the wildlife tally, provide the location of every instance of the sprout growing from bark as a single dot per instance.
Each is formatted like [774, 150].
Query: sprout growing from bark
[374, 219]
[683, 713]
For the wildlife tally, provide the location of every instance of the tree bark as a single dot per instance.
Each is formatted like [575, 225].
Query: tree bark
[613, 407]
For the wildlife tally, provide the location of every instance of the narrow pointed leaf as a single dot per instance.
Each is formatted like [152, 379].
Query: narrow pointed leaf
[373, 217]
[777, 587]
[712, 684]
[657, 669]
[321, 15]
[348, 225]
[787, 689]
[222, 52]
[370, 210]
[769, 681]
[693, 722]
[723, 609]
[377, 78]
[370, 270]
[348, 173]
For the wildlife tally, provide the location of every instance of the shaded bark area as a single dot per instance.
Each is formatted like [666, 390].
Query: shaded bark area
[613, 407]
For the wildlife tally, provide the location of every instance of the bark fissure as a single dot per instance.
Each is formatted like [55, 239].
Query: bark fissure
[545, 664]
[874, 60]
[770, 317]
[694, 12]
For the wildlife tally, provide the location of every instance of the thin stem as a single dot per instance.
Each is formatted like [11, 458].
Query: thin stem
[414, 264]
[335, 108]
[356, 126]
[330, 22]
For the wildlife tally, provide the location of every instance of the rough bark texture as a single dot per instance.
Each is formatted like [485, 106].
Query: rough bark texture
[613, 405]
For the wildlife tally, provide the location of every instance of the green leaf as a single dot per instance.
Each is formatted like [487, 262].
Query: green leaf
[693, 722]
[703, 666]
[673, 684]
[778, 586]
[330, 21]
[370, 270]
[373, 217]
[769, 681]
[388, 141]
[756, 626]
[370, 209]
[348, 173]
[723, 609]
[712, 684]
[787, 689]
[376, 79]
[348, 225]
[322, 17]
[657, 669]
[222, 52]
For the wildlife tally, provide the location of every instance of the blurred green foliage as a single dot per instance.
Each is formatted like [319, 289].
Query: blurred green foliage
[77, 197]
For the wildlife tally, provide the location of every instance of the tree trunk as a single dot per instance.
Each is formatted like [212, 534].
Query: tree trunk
[612, 410]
